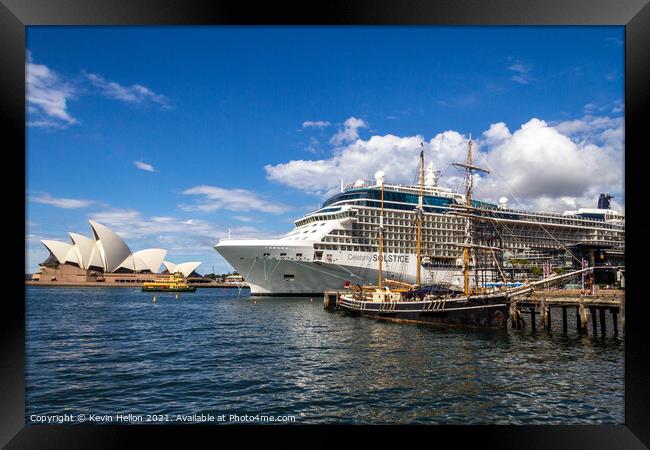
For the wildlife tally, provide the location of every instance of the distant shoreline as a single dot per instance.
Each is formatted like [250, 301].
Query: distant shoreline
[129, 285]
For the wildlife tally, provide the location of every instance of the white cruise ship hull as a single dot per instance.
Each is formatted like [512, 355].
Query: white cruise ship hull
[297, 273]
[338, 244]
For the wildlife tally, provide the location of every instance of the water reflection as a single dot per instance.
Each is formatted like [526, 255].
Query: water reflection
[108, 350]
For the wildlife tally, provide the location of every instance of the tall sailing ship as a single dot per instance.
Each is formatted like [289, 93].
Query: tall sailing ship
[424, 236]
[476, 306]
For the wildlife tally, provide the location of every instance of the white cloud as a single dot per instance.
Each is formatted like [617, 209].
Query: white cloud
[48, 94]
[67, 203]
[143, 166]
[158, 230]
[315, 124]
[47, 97]
[590, 108]
[618, 106]
[546, 169]
[522, 72]
[116, 216]
[214, 198]
[349, 132]
[313, 145]
[183, 238]
[396, 156]
[537, 166]
[131, 224]
[497, 133]
[598, 129]
[136, 93]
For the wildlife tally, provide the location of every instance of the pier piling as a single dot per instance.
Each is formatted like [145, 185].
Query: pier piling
[592, 312]
[513, 315]
[532, 319]
[582, 313]
[623, 314]
[330, 299]
[543, 313]
[543, 303]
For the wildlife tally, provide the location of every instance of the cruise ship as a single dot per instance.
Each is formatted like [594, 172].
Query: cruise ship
[337, 245]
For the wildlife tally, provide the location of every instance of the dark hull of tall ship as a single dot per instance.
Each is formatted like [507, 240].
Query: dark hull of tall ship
[481, 313]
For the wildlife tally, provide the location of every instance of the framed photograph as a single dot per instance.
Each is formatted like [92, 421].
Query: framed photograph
[394, 219]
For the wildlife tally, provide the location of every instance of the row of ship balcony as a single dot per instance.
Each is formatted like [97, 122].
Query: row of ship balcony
[496, 212]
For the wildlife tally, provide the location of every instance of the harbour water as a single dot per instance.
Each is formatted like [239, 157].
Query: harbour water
[115, 351]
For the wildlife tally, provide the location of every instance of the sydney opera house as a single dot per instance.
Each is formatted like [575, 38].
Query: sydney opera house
[105, 258]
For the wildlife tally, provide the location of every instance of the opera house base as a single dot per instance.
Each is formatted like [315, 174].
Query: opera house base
[67, 275]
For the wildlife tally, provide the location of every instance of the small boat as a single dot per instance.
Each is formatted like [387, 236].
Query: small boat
[175, 283]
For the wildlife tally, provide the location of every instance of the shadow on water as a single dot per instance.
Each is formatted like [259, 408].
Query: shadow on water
[115, 350]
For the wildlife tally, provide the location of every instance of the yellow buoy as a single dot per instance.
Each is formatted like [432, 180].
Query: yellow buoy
[154, 299]
[177, 296]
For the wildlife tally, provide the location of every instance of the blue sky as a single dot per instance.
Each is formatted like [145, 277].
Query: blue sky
[173, 135]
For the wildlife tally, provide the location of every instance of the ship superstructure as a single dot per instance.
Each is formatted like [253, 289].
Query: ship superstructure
[337, 244]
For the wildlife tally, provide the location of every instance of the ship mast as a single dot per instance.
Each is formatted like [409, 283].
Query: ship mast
[468, 169]
[419, 215]
[381, 231]
[468, 237]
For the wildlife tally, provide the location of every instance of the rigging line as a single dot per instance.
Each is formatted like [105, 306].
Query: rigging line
[511, 233]
[417, 174]
[354, 275]
[251, 268]
[546, 231]
[521, 205]
[247, 275]
[271, 269]
[552, 237]
[445, 171]
[514, 195]
[276, 266]
[321, 271]
[266, 278]
[503, 277]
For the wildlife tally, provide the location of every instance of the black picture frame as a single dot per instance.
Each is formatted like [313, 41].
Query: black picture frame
[633, 14]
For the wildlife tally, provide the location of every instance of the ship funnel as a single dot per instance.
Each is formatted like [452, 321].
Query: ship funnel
[431, 176]
[379, 177]
[604, 201]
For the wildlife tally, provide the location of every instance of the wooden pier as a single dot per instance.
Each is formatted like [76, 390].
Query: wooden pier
[537, 308]
[331, 297]
[542, 303]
